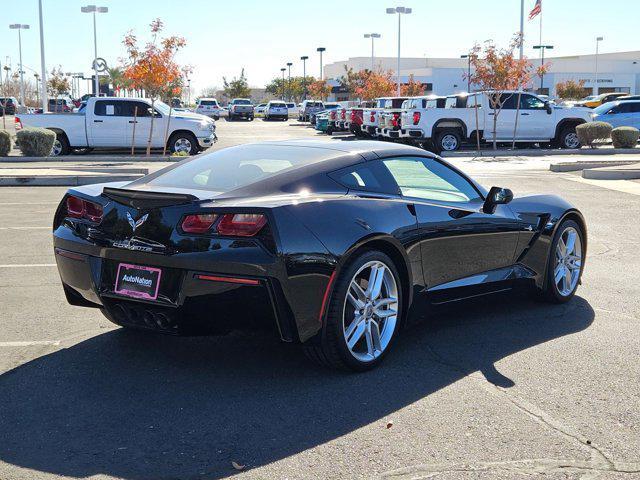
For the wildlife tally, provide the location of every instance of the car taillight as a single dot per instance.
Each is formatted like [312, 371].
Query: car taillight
[79, 208]
[200, 223]
[353, 116]
[395, 119]
[342, 114]
[373, 117]
[241, 224]
[416, 118]
[333, 115]
[17, 123]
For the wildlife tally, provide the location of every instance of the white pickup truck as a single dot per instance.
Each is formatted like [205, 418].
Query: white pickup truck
[538, 121]
[108, 122]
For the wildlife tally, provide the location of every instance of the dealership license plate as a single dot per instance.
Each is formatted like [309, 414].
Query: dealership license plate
[137, 281]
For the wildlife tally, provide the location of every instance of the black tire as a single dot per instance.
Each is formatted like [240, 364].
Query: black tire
[229, 118]
[551, 292]
[81, 151]
[329, 130]
[330, 349]
[194, 148]
[216, 118]
[63, 146]
[250, 119]
[448, 141]
[569, 138]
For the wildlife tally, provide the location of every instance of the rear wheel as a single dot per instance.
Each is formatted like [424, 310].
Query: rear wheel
[183, 142]
[363, 314]
[60, 146]
[448, 141]
[565, 263]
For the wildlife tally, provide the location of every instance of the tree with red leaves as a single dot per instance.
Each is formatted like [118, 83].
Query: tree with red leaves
[153, 68]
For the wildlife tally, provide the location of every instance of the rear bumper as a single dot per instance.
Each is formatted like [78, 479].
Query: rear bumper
[411, 133]
[370, 129]
[389, 133]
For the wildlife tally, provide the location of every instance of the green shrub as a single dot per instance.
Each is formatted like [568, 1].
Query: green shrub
[35, 142]
[625, 137]
[593, 132]
[5, 143]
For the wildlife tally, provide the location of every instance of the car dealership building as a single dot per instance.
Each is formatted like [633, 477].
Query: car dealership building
[617, 72]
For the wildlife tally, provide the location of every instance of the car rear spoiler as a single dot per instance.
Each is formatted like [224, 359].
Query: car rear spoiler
[142, 199]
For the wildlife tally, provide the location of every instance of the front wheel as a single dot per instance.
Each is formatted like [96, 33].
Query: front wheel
[569, 138]
[183, 142]
[566, 263]
[363, 314]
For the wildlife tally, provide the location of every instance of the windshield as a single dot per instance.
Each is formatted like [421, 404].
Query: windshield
[236, 167]
[603, 109]
[161, 107]
[590, 97]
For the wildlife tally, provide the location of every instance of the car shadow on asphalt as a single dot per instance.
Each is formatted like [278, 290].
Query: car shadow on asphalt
[138, 406]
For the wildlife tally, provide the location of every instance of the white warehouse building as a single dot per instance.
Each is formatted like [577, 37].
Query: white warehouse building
[617, 72]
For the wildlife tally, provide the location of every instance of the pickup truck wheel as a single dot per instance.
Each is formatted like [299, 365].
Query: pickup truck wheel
[448, 141]
[229, 118]
[569, 138]
[60, 146]
[183, 142]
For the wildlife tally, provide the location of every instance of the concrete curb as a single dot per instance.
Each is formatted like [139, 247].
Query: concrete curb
[629, 172]
[542, 152]
[587, 164]
[79, 168]
[91, 158]
[62, 180]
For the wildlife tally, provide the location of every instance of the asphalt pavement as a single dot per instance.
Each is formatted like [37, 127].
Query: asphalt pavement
[499, 388]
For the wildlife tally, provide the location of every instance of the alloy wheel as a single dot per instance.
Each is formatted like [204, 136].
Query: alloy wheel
[571, 140]
[568, 262]
[182, 145]
[370, 311]
[449, 142]
[56, 149]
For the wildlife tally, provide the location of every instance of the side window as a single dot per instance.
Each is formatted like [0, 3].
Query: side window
[529, 102]
[508, 101]
[429, 179]
[370, 177]
[635, 107]
[112, 108]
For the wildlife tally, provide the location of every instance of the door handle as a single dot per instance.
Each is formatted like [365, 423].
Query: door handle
[525, 114]
[97, 121]
[133, 121]
[490, 114]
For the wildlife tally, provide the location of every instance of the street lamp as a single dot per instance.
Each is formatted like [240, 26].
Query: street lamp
[399, 11]
[372, 36]
[283, 70]
[37, 77]
[542, 48]
[20, 27]
[93, 9]
[321, 49]
[595, 85]
[304, 76]
[468, 57]
[289, 81]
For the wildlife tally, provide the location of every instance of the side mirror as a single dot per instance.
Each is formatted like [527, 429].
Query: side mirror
[496, 196]
[549, 108]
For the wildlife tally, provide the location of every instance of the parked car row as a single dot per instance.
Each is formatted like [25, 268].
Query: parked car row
[447, 123]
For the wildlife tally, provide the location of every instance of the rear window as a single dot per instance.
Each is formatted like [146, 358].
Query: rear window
[242, 102]
[279, 105]
[291, 105]
[236, 167]
[314, 104]
[450, 102]
[208, 102]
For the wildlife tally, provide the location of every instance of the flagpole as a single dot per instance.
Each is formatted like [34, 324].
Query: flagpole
[521, 29]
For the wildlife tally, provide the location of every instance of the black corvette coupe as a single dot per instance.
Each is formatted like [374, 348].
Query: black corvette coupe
[328, 244]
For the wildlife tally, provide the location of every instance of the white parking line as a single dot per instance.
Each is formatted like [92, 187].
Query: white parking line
[30, 344]
[27, 265]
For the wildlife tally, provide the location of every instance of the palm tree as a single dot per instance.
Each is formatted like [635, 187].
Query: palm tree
[117, 79]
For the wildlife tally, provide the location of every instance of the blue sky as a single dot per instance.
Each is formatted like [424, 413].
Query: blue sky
[262, 35]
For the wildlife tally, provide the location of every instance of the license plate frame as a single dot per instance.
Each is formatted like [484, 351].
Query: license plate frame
[135, 287]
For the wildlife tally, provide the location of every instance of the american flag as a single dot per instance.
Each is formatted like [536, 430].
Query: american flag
[537, 9]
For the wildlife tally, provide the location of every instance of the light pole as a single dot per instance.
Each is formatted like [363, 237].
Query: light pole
[321, 49]
[37, 77]
[399, 11]
[289, 81]
[372, 36]
[595, 85]
[93, 9]
[20, 27]
[43, 70]
[283, 70]
[468, 57]
[304, 76]
[542, 48]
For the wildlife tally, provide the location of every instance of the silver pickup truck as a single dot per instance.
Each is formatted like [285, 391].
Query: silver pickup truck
[241, 108]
